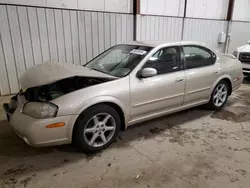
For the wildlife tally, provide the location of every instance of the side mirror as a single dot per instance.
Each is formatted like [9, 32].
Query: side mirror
[148, 72]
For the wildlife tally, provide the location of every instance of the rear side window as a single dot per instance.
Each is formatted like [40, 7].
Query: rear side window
[198, 56]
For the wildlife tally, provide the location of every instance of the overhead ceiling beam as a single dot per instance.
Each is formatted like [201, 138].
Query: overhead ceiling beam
[138, 6]
[185, 9]
[136, 11]
[230, 10]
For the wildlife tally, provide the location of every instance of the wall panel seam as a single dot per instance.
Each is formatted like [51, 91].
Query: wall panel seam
[4, 58]
[19, 25]
[12, 43]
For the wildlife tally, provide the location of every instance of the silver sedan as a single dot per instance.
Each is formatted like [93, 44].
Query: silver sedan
[127, 84]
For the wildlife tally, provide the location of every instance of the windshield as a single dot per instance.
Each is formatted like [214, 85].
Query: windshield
[119, 60]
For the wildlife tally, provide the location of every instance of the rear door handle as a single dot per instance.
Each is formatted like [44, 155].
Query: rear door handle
[179, 79]
[216, 72]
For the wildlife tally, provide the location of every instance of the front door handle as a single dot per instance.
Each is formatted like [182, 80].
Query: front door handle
[179, 79]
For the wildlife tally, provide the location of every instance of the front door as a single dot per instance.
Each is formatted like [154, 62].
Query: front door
[162, 92]
[201, 73]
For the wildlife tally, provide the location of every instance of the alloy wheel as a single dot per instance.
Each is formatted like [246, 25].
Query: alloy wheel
[220, 95]
[99, 130]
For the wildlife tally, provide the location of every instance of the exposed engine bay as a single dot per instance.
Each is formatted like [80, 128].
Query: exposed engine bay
[51, 91]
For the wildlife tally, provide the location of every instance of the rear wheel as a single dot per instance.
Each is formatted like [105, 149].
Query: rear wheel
[219, 96]
[96, 128]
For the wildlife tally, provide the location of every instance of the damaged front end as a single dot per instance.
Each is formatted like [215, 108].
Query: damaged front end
[51, 91]
[42, 95]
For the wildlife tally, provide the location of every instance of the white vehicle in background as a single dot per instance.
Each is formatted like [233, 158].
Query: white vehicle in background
[243, 54]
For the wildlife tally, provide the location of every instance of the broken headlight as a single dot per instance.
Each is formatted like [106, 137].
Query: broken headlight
[40, 110]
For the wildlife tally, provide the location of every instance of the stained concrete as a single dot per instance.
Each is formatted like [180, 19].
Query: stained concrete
[195, 148]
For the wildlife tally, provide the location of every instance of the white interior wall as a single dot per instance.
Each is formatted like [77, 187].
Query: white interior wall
[211, 9]
[123, 6]
[241, 10]
[159, 28]
[163, 7]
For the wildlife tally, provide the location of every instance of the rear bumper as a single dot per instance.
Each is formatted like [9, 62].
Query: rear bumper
[34, 132]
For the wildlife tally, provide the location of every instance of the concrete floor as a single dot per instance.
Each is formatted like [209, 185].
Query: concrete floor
[190, 149]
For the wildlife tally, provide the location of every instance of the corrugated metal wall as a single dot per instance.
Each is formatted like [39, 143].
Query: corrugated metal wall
[240, 35]
[29, 36]
[170, 29]
[206, 31]
[159, 28]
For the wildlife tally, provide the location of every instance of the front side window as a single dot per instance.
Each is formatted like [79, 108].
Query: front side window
[119, 60]
[165, 60]
[197, 56]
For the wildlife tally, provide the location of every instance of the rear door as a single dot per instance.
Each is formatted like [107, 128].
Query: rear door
[201, 71]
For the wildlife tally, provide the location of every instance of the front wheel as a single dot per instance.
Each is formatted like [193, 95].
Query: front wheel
[219, 96]
[96, 128]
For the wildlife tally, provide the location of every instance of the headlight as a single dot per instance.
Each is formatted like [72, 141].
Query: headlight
[40, 110]
[235, 54]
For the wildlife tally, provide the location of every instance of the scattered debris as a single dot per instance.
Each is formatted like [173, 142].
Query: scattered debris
[66, 160]
[234, 179]
[17, 171]
[236, 138]
[9, 183]
[109, 164]
[137, 177]
[242, 172]
[212, 131]
[13, 180]
[25, 181]
[155, 130]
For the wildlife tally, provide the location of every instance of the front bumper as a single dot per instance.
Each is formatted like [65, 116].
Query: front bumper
[34, 132]
[246, 69]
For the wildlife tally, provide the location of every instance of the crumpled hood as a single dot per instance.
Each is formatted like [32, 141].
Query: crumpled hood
[245, 48]
[50, 72]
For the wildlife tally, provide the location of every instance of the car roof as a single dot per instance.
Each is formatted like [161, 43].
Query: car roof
[168, 43]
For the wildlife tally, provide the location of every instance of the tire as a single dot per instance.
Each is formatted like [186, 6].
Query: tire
[90, 126]
[213, 104]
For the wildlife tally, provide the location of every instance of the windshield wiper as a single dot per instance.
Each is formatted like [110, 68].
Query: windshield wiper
[98, 70]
